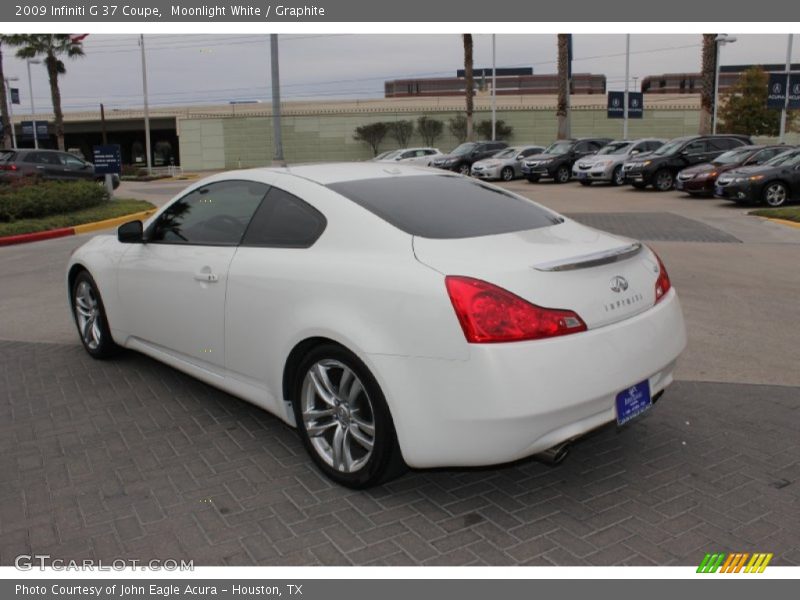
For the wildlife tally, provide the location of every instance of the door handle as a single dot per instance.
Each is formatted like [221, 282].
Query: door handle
[206, 275]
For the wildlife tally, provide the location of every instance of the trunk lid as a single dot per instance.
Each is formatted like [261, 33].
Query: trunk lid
[603, 278]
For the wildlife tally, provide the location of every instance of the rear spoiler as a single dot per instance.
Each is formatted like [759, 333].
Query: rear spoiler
[594, 259]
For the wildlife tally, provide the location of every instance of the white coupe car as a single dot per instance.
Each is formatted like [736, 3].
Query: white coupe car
[395, 315]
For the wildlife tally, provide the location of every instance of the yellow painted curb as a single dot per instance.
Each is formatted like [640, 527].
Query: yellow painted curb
[97, 225]
[783, 222]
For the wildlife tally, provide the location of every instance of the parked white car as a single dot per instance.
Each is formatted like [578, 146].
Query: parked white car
[412, 156]
[396, 317]
[505, 164]
[606, 164]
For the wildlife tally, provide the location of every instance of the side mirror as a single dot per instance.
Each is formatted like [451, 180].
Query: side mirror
[131, 232]
[635, 151]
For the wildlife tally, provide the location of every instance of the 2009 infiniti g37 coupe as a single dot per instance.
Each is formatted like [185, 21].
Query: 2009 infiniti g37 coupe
[395, 315]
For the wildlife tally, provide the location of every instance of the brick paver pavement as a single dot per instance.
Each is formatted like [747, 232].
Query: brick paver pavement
[132, 459]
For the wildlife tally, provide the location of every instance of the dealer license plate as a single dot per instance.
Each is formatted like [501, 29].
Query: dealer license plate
[633, 402]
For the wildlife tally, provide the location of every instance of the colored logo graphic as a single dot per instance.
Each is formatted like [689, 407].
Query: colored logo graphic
[737, 562]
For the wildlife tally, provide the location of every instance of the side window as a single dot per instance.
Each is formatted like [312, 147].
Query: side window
[284, 221]
[531, 151]
[33, 157]
[697, 147]
[651, 146]
[765, 155]
[216, 215]
[410, 154]
[72, 161]
[429, 152]
[581, 147]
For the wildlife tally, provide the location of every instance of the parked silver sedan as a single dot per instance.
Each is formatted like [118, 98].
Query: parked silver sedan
[606, 165]
[505, 164]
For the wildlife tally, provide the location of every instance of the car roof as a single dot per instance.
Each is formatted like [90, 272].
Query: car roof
[328, 173]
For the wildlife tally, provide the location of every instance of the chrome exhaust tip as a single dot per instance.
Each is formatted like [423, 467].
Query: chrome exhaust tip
[554, 455]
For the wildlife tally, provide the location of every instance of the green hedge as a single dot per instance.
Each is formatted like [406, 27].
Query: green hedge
[36, 200]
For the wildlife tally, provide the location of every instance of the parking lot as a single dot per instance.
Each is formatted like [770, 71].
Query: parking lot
[131, 459]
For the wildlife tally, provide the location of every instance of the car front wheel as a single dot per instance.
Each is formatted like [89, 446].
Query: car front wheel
[664, 180]
[344, 420]
[563, 174]
[90, 318]
[775, 194]
[507, 174]
[618, 178]
[464, 169]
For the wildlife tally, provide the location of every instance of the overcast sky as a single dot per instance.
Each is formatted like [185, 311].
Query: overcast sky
[194, 69]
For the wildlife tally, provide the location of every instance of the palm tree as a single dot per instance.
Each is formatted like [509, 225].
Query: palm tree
[563, 86]
[6, 120]
[51, 47]
[469, 82]
[709, 67]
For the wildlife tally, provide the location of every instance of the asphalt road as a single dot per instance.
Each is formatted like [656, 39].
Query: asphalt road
[739, 297]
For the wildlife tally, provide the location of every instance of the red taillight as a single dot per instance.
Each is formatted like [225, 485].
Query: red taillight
[663, 283]
[11, 167]
[488, 314]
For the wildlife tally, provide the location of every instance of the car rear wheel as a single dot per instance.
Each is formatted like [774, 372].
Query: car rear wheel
[507, 174]
[563, 174]
[664, 180]
[617, 178]
[90, 318]
[775, 194]
[344, 420]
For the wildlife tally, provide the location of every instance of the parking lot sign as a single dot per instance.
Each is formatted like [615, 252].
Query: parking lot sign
[107, 159]
[616, 104]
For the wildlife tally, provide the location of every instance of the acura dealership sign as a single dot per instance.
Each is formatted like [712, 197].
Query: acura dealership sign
[777, 90]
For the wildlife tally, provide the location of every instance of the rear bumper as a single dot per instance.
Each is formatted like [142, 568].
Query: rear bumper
[508, 401]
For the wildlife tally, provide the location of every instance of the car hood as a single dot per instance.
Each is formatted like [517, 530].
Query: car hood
[448, 156]
[641, 156]
[494, 161]
[543, 157]
[595, 158]
[752, 170]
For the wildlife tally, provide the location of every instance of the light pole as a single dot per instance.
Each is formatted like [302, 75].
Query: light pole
[720, 40]
[494, 88]
[146, 108]
[33, 61]
[786, 89]
[627, 75]
[277, 138]
[8, 80]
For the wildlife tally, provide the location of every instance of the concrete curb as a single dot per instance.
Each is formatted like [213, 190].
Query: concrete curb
[794, 224]
[24, 238]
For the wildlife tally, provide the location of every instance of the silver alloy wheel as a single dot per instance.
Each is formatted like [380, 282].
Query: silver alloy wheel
[507, 174]
[87, 313]
[618, 176]
[338, 415]
[562, 175]
[775, 194]
[464, 169]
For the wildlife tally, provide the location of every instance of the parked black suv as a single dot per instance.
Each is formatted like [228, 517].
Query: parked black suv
[557, 160]
[461, 159]
[16, 163]
[659, 168]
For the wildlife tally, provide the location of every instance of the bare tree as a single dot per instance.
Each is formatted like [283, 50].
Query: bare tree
[469, 82]
[709, 68]
[563, 85]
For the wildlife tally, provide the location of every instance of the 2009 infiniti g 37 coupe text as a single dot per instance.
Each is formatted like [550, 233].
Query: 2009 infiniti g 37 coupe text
[396, 315]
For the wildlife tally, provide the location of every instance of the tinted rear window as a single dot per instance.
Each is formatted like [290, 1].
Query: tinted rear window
[445, 207]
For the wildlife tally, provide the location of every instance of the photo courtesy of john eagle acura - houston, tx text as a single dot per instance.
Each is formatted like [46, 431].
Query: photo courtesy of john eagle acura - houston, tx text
[398, 316]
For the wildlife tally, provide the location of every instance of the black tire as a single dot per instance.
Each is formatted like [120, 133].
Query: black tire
[617, 178]
[639, 185]
[385, 461]
[532, 179]
[464, 169]
[664, 180]
[96, 341]
[507, 174]
[563, 174]
[585, 182]
[775, 194]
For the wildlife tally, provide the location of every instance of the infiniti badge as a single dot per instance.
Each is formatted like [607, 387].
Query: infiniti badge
[619, 284]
